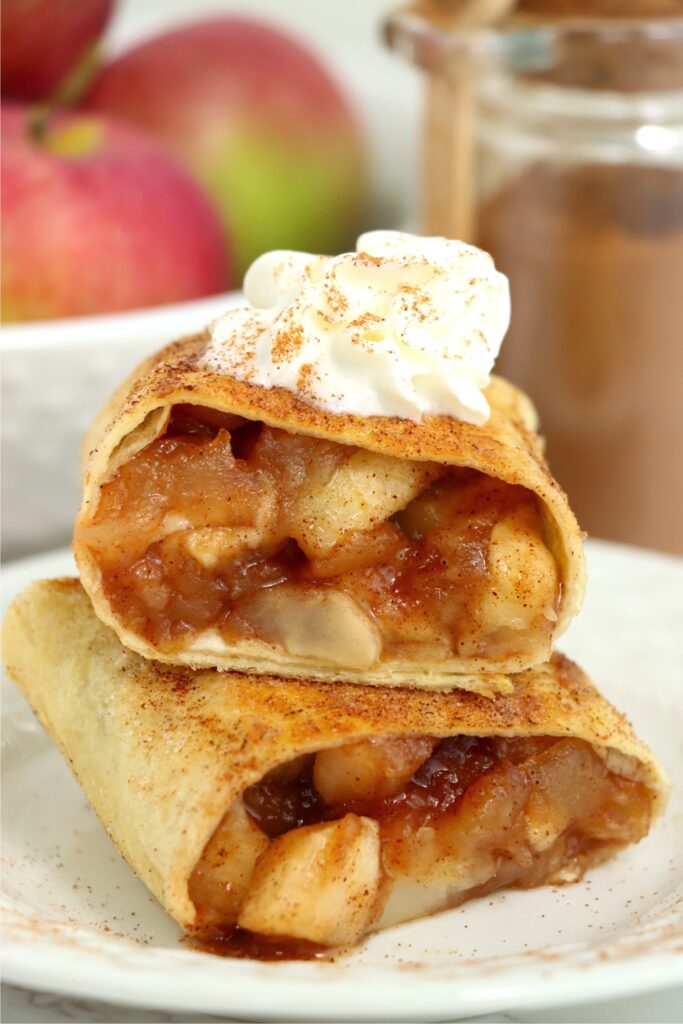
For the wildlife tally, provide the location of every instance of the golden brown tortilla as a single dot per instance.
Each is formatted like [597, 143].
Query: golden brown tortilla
[506, 448]
[162, 751]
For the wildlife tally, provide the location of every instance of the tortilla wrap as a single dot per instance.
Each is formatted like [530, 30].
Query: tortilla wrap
[506, 449]
[163, 751]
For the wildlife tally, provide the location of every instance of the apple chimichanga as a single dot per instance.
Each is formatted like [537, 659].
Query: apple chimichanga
[235, 526]
[261, 809]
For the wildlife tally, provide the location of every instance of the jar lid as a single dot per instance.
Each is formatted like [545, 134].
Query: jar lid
[602, 45]
[591, 9]
[478, 13]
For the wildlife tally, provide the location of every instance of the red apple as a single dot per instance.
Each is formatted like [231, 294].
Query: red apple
[45, 41]
[258, 121]
[97, 218]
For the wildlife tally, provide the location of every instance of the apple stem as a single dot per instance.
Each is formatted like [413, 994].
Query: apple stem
[37, 123]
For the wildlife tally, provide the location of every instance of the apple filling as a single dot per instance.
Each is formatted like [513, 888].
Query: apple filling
[331, 846]
[325, 551]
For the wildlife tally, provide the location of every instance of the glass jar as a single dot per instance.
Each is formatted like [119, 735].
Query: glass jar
[573, 143]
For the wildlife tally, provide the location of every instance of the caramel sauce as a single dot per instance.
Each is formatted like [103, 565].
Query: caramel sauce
[244, 945]
[436, 787]
[279, 803]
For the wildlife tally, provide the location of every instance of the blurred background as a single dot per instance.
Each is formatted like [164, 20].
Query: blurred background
[152, 148]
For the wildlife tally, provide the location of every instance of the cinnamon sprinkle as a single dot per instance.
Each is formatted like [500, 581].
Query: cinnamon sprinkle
[307, 375]
[286, 343]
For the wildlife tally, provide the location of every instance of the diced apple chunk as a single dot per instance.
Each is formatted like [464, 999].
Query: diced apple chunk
[220, 879]
[437, 507]
[624, 817]
[408, 900]
[361, 493]
[320, 623]
[523, 576]
[460, 849]
[368, 769]
[418, 628]
[359, 550]
[172, 523]
[567, 784]
[216, 546]
[319, 883]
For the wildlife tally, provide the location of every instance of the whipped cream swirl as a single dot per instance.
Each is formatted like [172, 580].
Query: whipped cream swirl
[405, 326]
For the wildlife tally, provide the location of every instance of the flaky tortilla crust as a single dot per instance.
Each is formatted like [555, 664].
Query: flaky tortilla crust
[162, 751]
[507, 448]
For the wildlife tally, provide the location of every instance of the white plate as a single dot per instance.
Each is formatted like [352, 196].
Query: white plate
[77, 921]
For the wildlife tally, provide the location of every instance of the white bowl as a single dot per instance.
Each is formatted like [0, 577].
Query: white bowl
[56, 375]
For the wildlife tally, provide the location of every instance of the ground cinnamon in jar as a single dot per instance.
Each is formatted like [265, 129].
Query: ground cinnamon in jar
[554, 139]
[594, 252]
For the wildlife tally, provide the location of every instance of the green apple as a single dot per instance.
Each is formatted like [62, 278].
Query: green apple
[258, 121]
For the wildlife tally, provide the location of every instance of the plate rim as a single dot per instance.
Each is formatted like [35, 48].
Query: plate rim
[228, 989]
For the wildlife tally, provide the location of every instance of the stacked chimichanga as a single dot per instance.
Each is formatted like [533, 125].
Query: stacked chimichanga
[308, 682]
[264, 810]
[230, 525]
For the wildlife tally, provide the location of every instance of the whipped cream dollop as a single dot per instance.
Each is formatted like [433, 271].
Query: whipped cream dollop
[405, 326]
